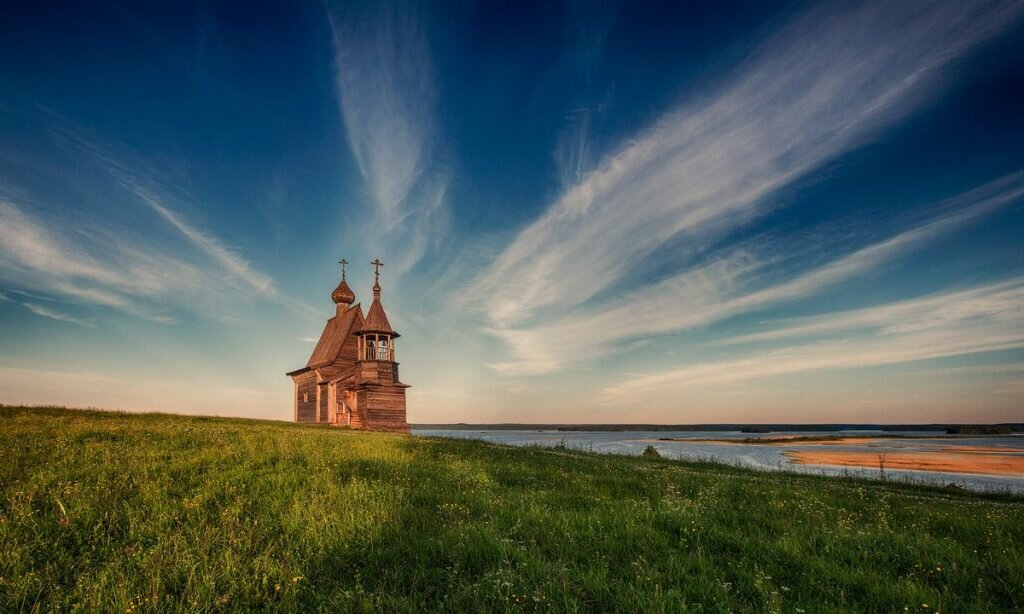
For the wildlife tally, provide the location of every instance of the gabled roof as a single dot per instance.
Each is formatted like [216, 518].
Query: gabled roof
[344, 375]
[335, 332]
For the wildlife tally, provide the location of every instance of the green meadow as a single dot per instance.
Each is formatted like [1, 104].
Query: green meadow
[150, 512]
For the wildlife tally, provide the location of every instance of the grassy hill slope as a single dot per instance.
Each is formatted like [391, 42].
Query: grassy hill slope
[111, 511]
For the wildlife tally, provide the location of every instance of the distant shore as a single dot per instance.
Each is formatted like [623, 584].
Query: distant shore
[1013, 427]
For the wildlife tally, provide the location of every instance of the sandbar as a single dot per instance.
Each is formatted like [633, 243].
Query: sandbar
[948, 462]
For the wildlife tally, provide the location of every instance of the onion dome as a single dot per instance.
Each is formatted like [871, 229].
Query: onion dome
[343, 294]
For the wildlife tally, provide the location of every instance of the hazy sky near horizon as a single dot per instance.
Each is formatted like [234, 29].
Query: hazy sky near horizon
[588, 211]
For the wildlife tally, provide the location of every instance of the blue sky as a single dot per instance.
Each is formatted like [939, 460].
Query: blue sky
[588, 211]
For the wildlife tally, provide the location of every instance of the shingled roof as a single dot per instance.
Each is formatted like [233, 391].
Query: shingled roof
[376, 320]
[335, 332]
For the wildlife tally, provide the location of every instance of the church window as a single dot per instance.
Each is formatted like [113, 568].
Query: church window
[305, 396]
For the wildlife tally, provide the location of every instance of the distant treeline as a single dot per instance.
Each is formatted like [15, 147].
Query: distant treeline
[978, 429]
[964, 429]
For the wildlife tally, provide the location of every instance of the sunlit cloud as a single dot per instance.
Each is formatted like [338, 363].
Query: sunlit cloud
[824, 84]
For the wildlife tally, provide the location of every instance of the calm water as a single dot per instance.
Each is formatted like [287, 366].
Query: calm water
[765, 457]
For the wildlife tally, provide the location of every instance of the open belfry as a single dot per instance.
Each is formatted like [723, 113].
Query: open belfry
[352, 377]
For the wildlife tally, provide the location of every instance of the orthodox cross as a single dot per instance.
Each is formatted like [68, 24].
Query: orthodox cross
[343, 262]
[376, 269]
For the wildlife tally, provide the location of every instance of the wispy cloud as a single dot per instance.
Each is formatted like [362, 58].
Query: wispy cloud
[117, 268]
[146, 270]
[586, 36]
[53, 259]
[984, 319]
[235, 271]
[388, 99]
[53, 314]
[137, 177]
[996, 301]
[728, 287]
[825, 83]
[977, 369]
[31, 295]
[209, 245]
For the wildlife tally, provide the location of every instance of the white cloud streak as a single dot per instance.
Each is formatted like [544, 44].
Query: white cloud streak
[62, 257]
[388, 99]
[237, 272]
[824, 84]
[108, 263]
[992, 301]
[997, 369]
[230, 261]
[719, 290]
[136, 179]
[53, 314]
[985, 319]
[53, 259]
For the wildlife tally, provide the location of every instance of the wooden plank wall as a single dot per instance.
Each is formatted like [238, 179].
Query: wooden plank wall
[305, 409]
[386, 409]
[322, 402]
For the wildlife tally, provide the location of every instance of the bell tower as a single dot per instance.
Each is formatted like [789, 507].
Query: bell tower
[376, 337]
[378, 389]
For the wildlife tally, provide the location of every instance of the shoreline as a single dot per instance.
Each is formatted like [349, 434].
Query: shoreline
[824, 440]
[993, 464]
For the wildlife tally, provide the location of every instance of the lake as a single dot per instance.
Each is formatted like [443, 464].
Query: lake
[716, 446]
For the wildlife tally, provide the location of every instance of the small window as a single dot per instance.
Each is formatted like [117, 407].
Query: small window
[305, 397]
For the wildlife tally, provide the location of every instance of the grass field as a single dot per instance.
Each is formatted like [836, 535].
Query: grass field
[107, 511]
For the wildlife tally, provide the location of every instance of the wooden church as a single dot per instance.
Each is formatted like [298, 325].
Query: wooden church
[352, 377]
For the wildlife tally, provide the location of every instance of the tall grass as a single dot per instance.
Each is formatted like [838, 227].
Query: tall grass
[106, 511]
